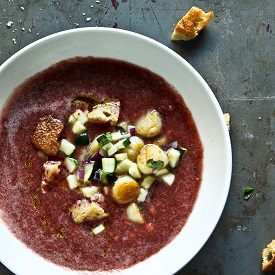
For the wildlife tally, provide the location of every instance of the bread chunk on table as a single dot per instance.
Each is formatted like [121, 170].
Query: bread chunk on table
[191, 24]
[269, 257]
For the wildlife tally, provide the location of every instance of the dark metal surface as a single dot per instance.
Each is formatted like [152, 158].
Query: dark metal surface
[235, 55]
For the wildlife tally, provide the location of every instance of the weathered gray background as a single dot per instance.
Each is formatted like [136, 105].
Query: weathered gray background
[235, 55]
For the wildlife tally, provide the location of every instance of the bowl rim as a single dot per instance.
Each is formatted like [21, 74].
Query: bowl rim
[211, 96]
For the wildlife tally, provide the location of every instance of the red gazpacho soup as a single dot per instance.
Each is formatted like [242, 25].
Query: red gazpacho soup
[101, 163]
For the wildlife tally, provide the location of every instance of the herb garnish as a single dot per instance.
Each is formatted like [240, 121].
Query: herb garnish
[247, 192]
[155, 164]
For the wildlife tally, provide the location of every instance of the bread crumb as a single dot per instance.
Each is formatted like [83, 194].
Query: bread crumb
[191, 24]
[227, 120]
[269, 257]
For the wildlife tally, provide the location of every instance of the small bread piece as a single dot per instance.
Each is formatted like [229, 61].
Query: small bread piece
[106, 112]
[269, 257]
[46, 135]
[227, 120]
[83, 210]
[191, 24]
[125, 190]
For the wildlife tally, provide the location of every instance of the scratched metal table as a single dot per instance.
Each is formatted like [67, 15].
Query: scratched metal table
[235, 55]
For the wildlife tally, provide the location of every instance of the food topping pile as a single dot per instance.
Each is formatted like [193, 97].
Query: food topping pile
[115, 162]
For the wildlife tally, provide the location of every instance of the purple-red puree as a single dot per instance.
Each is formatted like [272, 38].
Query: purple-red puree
[42, 220]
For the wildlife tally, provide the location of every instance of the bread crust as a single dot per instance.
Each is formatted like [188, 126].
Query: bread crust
[191, 24]
[269, 257]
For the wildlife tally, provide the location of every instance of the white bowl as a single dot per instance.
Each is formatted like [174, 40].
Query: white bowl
[145, 52]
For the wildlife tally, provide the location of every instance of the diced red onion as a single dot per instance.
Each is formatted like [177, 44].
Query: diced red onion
[97, 157]
[174, 145]
[80, 174]
[132, 130]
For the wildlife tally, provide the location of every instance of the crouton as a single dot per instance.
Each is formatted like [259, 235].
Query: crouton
[46, 135]
[51, 170]
[84, 210]
[106, 112]
[269, 257]
[191, 24]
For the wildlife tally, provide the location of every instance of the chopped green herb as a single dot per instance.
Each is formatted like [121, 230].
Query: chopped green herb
[247, 192]
[82, 139]
[104, 139]
[126, 142]
[155, 164]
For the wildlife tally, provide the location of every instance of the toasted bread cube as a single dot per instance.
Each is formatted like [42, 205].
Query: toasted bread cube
[106, 112]
[83, 210]
[46, 135]
[51, 169]
[191, 24]
[269, 257]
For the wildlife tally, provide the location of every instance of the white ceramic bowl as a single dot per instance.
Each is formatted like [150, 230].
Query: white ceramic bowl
[145, 52]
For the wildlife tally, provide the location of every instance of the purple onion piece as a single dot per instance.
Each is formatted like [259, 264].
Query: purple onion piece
[97, 157]
[132, 130]
[174, 145]
[80, 174]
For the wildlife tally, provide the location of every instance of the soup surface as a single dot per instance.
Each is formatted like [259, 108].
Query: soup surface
[42, 220]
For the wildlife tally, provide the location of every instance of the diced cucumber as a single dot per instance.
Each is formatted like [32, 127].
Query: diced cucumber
[168, 178]
[107, 146]
[80, 116]
[134, 171]
[72, 120]
[66, 147]
[147, 182]
[182, 151]
[126, 142]
[126, 164]
[116, 136]
[104, 139]
[120, 144]
[82, 139]
[108, 165]
[112, 150]
[122, 127]
[173, 157]
[98, 229]
[73, 182]
[88, 191]
[120, 169]
[71, 164]
[142, 195]
[88, 170]
[161, 172]
[121, 156]
[78, 128]
[133, 213]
